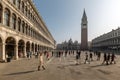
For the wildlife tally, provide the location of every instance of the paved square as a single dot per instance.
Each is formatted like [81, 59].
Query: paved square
[60, 69]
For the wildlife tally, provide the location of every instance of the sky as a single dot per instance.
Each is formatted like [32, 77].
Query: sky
[63, 17]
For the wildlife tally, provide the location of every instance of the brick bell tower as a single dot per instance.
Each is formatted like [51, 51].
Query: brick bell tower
[84, 32]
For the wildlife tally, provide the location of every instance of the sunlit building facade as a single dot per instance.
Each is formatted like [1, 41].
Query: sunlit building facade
[22, 29]
[109, 42]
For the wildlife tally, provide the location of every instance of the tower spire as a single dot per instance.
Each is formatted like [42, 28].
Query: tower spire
[84, 15]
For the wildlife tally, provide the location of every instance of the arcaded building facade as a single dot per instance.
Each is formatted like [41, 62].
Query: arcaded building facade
[22, 30]
[109, 42]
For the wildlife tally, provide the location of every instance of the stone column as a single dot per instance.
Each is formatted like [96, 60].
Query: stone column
[10, 22]
[16, 51]
[3, 15]
[34, 49]
[25, 50]
[3, 55]
[16, 23]
[21, 27]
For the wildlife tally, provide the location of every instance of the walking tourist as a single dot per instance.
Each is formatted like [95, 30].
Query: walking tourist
[91, 56]
[41, 62]
[77, 57]
[66, 53]
[47, 55]
[86, 58]
[113, 58]
[105, 58]
[98, 55]
[108, 59]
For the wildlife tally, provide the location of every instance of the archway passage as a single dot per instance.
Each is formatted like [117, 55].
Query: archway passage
[10, 47]
[38, 47]
[33, 48]
[21, 47]
[28, 46]
[0, 48]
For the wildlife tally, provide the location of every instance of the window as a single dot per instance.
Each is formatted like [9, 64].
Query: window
[26, 10]
[29, 30]
[0, 13]
[14, 2]
[23, 26]
[14, 21]
[18, 4]
[19, 24]
[7, 17]
[23, 7]
[29, 14]
[26, 29]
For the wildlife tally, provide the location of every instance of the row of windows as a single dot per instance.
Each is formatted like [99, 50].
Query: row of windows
[109, 35]
[19, 25]
[108, 42]
[28, 13]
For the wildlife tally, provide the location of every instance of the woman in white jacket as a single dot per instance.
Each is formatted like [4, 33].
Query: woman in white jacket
[41, 62]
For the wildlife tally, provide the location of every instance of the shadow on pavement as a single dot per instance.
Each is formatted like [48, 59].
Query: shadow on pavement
[18, 73]
[63, 66]
[98, 65]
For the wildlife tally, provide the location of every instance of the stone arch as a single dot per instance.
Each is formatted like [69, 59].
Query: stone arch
[28, 46]
[21, 47]
[10, 47]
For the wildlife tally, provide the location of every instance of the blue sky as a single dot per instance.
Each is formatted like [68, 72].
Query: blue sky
[63, 17]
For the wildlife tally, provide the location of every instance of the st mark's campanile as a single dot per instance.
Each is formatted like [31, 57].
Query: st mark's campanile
[84, 32]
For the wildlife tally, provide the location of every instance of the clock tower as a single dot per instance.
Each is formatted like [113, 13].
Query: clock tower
[84, 33]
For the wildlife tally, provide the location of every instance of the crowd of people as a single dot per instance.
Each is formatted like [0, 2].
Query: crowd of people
[87, 56]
